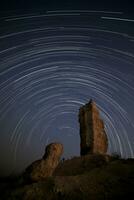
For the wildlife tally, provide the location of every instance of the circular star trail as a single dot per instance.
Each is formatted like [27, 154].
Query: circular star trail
[53, 63]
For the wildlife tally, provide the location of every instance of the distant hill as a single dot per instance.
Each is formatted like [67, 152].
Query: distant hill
[93, 177]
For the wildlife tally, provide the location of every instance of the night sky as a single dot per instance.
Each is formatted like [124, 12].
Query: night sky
[54, 57]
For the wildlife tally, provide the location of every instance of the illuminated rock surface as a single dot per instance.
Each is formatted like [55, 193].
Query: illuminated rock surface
[92, 133]
[45, 167]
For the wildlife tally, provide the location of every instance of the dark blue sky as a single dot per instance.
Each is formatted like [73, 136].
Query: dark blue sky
[54, 57]
[24, 5]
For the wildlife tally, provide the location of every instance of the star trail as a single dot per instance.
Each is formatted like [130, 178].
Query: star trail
[53, 63]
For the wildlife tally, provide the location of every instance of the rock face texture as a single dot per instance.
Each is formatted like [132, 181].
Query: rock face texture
[92, 133]
[45, 167]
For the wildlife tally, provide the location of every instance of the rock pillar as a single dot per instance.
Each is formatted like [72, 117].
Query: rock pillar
[92, 133]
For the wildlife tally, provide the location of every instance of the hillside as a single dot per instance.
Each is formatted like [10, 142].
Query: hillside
[94, 177]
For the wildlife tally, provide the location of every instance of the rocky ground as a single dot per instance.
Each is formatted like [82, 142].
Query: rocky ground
[93, 177]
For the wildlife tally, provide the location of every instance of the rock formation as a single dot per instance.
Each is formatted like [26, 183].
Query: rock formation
[45, 167]
[92, 133]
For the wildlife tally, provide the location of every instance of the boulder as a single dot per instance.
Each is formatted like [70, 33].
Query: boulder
[45, 167]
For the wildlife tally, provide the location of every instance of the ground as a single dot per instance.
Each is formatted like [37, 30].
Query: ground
[94, 177]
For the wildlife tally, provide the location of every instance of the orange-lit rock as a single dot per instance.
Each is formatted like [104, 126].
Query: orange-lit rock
[92, 133]
[45, 167]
